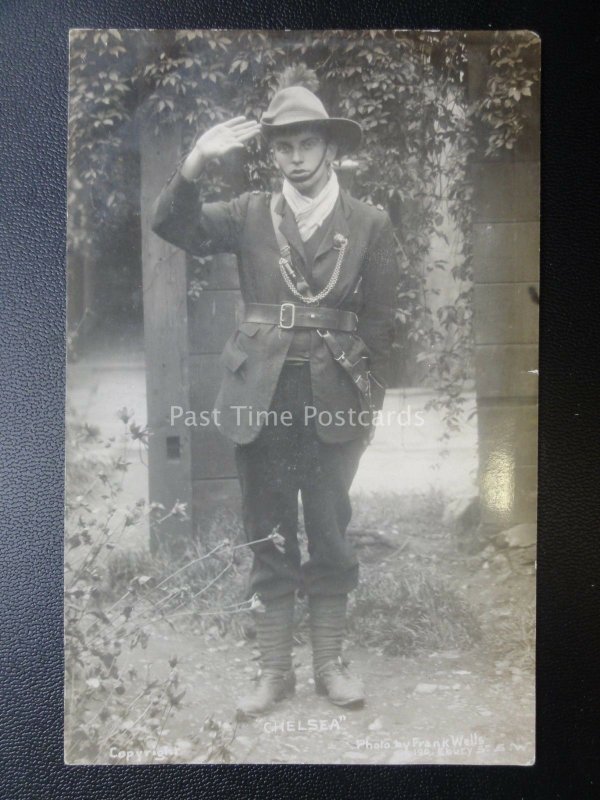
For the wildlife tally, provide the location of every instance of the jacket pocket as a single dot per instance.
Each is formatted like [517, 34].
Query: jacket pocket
[232, 357]
[249, 328]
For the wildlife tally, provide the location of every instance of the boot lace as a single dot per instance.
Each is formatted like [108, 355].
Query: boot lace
[338, 665]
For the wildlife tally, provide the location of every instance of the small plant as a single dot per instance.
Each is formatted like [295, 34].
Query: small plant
[114, 599]
[204, 586]
[220, 737]
[108, 706]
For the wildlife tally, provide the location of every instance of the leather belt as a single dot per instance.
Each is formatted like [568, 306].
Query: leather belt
[289, 315]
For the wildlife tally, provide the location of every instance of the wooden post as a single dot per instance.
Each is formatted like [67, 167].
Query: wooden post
[506, 275]
[167, 360]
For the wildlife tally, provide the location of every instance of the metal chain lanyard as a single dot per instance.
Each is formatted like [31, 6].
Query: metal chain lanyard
[288, 273]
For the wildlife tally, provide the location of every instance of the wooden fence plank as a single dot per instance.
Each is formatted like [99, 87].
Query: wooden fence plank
[507, 191]
[212, 319]
[506, 251]
[212, 453]
[505, 314]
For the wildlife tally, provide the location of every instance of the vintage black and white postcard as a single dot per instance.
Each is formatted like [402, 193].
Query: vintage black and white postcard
[301, 477]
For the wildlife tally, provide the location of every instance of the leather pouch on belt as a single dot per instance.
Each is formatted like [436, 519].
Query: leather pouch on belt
[356, 366]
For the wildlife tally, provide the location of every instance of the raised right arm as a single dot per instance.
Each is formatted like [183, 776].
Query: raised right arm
[179, 214]
[183, 219]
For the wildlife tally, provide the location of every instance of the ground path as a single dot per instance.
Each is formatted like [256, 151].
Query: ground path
[463, 707]
[444, 708]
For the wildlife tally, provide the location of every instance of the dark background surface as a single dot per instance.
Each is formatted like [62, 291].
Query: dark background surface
[33, 138]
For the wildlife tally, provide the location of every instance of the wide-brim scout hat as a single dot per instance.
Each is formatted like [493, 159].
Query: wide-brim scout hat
[296, 105]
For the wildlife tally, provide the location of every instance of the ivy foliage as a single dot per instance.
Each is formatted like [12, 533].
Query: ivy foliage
[423, 126]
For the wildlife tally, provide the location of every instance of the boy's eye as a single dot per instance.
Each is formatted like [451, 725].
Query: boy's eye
[307, 144]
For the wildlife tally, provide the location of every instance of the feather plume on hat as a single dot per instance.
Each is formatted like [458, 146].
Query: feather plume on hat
[297, 75]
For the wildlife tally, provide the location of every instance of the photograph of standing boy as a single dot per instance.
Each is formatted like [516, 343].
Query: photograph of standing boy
[318, 276]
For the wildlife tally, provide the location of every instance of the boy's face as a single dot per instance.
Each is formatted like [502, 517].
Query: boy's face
[303, 157]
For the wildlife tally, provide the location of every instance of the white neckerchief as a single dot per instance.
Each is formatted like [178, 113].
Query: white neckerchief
[311, 211]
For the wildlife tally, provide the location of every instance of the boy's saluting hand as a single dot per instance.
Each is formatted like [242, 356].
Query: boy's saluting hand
[217, 141]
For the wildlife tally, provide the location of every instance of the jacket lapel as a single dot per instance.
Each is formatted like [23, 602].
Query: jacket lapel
[339, 224]
[289, 228]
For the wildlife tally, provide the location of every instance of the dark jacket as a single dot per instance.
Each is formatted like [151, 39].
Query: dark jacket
[254, 355]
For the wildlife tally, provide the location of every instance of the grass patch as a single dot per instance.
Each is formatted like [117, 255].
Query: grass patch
[399, 607]
[402, 607]
[419, 514]
[410, 612]
[513, 639]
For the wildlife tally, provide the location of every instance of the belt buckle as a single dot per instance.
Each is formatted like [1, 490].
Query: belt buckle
[282, 310]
